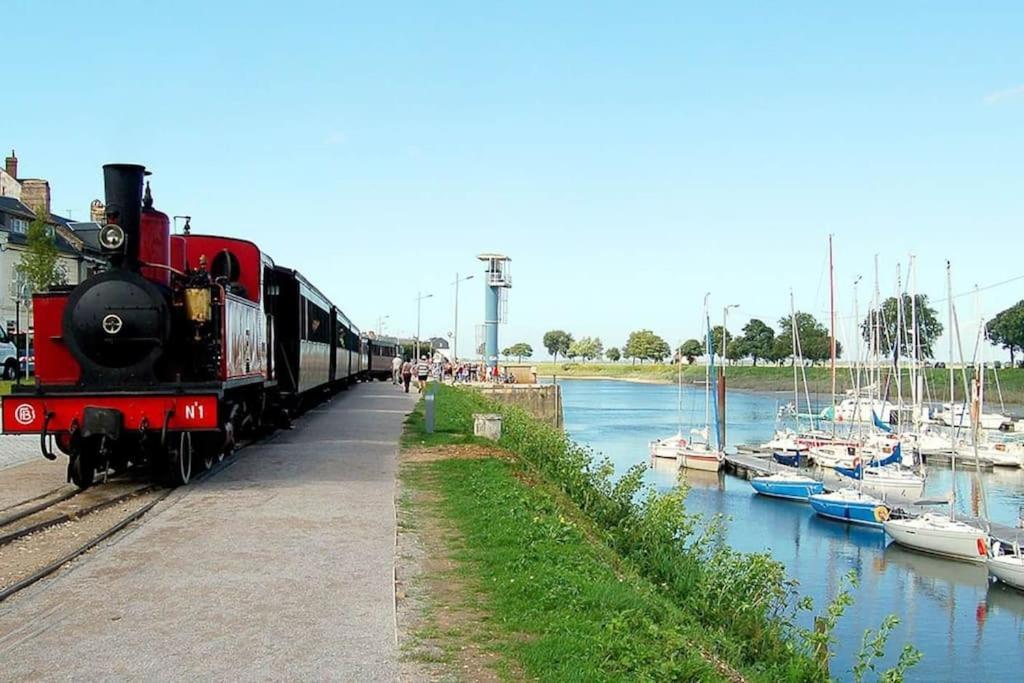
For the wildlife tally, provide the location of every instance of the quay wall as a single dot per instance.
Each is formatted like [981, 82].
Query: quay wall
[542, 401]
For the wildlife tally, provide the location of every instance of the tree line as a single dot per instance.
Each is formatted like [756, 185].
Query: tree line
[887, 327]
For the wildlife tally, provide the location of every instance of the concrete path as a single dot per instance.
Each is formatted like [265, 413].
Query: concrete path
[279, 567]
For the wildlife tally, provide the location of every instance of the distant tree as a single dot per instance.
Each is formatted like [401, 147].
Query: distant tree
[781, 350]
[587, 348]
[758, 340]
[520, 350]
[690, 349]
[507, 352]
[40, 263]
[736, 350]
[645, 345]
[613, 354]
[814, 338]
[1007, 329]
[716, 339]
[557, 342]
[928, 326]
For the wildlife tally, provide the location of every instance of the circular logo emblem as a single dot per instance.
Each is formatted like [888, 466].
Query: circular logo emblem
[112, 324]
[25, 414]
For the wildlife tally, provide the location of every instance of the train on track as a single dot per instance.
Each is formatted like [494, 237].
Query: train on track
[183, 345]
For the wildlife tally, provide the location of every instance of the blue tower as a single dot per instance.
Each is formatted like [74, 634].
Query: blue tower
[497, 282]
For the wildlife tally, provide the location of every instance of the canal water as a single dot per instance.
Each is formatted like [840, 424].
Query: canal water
[967, 628]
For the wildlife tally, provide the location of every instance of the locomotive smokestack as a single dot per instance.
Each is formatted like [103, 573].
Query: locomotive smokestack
[123, 191]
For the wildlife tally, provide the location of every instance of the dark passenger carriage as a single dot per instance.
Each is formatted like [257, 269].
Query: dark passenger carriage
[382, 352]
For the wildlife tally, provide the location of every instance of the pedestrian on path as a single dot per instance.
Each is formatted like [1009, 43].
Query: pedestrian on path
[406, 374]
[422, 373]
[396, 370]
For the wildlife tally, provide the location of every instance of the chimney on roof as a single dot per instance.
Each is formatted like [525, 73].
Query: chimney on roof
[35, 194]
[97, 212]
[11, 165]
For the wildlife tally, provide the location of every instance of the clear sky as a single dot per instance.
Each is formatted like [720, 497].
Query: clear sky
[627, 156]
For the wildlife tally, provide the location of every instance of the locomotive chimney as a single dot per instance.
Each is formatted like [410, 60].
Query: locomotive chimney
[123, 193]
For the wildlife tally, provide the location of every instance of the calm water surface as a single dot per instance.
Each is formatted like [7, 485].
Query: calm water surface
[967, 629]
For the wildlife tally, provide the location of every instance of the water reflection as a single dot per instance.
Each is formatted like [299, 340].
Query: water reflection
[966, 628]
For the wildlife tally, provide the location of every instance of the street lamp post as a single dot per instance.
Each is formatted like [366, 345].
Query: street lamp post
[419, 299]
[380, 324]
[455, 329]
[725, 314]
[721, 380]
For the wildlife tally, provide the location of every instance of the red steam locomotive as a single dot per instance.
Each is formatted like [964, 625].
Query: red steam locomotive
[185, 343]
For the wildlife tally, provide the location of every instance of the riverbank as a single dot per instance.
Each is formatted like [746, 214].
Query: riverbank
[555, 571]
[776, 378]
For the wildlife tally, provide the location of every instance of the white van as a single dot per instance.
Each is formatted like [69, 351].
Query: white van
[8, 356]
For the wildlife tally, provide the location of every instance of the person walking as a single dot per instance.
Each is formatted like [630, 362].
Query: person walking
[396, 370]
[422, 373]
[406, 374]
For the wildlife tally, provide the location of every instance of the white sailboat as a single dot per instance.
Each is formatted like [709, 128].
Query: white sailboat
[701, 455]
[668, 447]
[941, 534]
[1009, 567]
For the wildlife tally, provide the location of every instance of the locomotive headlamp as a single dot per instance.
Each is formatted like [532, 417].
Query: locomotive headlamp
[112, 237]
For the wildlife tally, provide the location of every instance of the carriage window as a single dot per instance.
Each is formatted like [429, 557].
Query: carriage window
[302, 317]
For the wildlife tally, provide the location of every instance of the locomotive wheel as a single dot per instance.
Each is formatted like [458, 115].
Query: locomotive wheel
[81, 471]
[180, 461]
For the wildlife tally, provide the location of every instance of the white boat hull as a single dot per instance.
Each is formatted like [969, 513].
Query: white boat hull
[666, 448]
[1009, 569]
[699, 460]
[937, 535]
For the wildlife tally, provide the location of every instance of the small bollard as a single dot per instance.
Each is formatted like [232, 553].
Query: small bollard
[428, 408]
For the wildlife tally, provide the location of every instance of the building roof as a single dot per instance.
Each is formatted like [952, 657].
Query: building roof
[88, 232]
[13, 205]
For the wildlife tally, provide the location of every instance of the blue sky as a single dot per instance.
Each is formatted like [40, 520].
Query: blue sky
[628, 158]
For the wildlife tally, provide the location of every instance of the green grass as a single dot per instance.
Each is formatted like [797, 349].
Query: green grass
[5, 387]
[687, 583]
[776, 378]
[557, 602]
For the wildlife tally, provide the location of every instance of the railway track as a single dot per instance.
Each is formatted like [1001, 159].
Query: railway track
[40, 535]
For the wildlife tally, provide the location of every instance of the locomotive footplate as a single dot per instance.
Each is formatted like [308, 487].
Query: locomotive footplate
[35, 414]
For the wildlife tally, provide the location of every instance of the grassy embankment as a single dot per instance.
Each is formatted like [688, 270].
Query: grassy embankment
[5, 386]
[775, 378]
[586, 578]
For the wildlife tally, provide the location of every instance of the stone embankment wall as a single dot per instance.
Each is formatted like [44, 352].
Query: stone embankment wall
[543, 401]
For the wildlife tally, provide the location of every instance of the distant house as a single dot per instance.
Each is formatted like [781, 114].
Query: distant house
[20, 199]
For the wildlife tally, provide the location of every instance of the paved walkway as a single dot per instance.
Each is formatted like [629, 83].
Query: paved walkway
[279, 567]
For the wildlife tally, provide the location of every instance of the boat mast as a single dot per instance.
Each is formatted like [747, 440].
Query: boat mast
[707, 370]
[915, 391]
[979, 384]
[856, 354]
[952, 391]
[900, 343]
[796, 383]
[832, 319]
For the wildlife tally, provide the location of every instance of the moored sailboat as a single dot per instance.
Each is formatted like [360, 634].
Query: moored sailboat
[792, 486]
[943, 534]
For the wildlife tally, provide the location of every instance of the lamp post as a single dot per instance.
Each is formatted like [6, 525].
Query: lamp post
[380, 324]
[455, 329]
[23, 294]
[725, 314]
[419, 300]
[721, 380]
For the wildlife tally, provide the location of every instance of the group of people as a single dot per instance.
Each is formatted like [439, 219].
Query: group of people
[444, 370]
